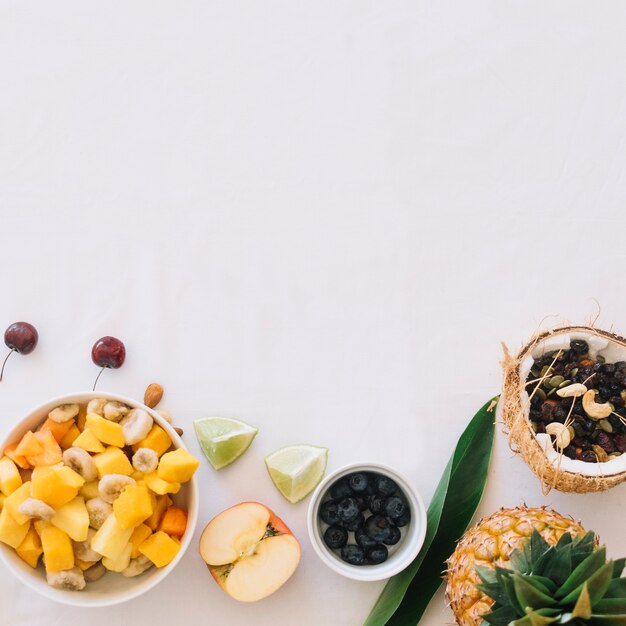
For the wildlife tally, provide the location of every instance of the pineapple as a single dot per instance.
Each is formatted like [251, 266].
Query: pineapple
[529, 560]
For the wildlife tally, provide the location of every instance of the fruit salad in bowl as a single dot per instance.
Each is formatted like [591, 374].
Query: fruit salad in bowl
[98, 500]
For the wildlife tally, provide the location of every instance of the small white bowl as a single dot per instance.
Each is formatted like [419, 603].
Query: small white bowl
[113, 588]
[400, 555]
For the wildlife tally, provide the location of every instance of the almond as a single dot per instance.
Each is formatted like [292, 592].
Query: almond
[153, 395]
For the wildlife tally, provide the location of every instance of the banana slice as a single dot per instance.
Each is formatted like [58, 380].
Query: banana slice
[67, 579]
[112, 485]
[98, 511]
[97, 406]
[137, 566]
[136, 426]
[81, 462]
[83, 549]
[145, 460]
[31, 507]
[64, 413]
[115, 411]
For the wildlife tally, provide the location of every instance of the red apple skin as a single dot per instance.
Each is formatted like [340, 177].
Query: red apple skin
[276, 523]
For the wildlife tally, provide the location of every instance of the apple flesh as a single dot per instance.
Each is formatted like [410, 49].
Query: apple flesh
[250, 551]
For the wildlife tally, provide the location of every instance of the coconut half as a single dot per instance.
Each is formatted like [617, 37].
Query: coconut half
[555, 470]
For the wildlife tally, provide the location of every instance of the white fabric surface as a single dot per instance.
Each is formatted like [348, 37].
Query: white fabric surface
[320, 217]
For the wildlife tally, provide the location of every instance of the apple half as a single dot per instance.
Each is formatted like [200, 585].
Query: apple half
[250, 551]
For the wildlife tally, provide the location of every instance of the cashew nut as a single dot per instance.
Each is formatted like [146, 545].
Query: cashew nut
[593, 409]
[572, 391]
[562, 434]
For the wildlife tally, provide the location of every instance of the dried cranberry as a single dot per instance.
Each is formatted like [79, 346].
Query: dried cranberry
[620, 443]
[605, 441]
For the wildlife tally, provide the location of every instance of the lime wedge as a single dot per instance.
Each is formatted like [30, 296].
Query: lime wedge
[296, 470]
[223, 439]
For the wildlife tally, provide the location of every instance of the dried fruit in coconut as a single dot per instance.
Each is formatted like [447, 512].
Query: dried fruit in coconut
[574, 376]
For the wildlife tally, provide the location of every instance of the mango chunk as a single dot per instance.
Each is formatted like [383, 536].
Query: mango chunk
[133, 506]
[157, 439]
[2, 499]
[89, 490]
[57, 549]
[140, 534]
[177, 466]
[51, 452]
[58, 430]
[20, 461]
[160, 486]
[30, 549]
[106, 431]
[160, 548]
[119, 563]
[83, 565]
[88, 441]
[10, 478]
[56, 486]
[73, 519]
[11, 532]
[29, 445]
[111, 539]
[13, 502]
[112, 461]
[162, 502]
[174, 522]
[40, 524]
[70, 437]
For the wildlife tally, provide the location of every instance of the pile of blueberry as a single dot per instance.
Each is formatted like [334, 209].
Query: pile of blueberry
[371, 506]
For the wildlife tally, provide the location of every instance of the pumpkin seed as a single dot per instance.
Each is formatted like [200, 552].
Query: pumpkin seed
[540, 393]
[555, 381]
[550, 392]
[534, 426]
[600, 358]
[565, 383]
[574, 371]
[606, 426]
[544, 370]
[546, 383]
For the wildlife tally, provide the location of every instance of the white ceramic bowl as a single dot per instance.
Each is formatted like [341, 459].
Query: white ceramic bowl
[113, 588]
[400, 555]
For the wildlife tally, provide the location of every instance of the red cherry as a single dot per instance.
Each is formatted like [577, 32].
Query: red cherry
[108, 352]
[20, 337]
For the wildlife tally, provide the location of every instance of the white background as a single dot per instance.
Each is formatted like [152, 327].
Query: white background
[320, 217]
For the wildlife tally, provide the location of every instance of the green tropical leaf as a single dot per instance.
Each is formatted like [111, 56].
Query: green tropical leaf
[405, 597]
[528, 595]
[534, 619]
[560, 566]
[597, 585]
[582, 572]
[611, 606]
[617, 589]
[618, 567]
[501, 616]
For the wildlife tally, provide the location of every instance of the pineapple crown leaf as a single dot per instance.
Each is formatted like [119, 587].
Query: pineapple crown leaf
[568, 583]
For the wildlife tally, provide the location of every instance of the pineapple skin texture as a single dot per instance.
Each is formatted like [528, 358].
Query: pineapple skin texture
[491, 543]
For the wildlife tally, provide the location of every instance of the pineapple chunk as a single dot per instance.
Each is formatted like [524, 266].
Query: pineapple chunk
[157, 439]
[177, 466]
[70, 437]
[160, 548]
[140, 534]
[88, 441]
[2, 500]
[111, 539]
[57, 549]
[11, 532]
[72, 518]
[133, 506]
[10, 478]
[121, 562]
[89, 490]
[162, 502]
[160, 486]
[112, 461]
[30, 549]
[56, 486]
[13, 502]
[105, 430]
[40, 524]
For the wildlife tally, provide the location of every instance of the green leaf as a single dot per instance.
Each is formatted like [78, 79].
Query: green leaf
[582, 609]
[528, 595]
[559, 567]
[502, 616]
[607, 620]
[611, 606]
[592, 563]
[618, 567]
[617, 589]
[597, 585]
[534, 619]
[405, 597]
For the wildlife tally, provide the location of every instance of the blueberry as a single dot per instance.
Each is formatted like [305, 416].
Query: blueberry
[362, 502]
[358, 482]
[378, 528]
[364, 540]
[376, 503]
[353, 554]
[394, 537]
[335, 537]
[329, 512]
[385, 486]
[354, 524]
[377, 554]
[404, 519]
[341, 489]
[348, 509]
[579, 346]
[395, 507]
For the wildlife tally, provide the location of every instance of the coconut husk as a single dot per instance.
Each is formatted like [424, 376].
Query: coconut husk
[521, 435]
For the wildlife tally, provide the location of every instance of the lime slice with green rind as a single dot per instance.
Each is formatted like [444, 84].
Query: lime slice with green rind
[297, 470]
[223, 439]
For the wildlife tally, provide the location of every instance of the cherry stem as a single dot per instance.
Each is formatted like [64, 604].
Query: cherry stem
[98, 376]
[5, 361]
